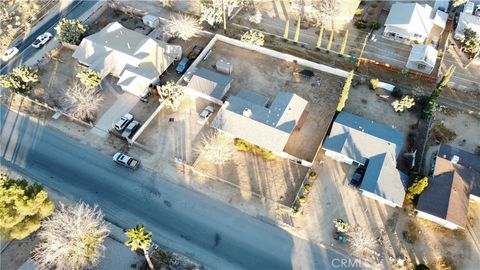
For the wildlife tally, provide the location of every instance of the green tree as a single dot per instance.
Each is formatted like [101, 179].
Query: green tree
[287, 29]
[470, 41]
[139, 238]
[320, 36]
[297, 29]
[70, 31]
[417, 187]
[171, 94]
[344, 95]
[446, 78]
[22, 207]
[20, 79]
[72, 238]
[253, 37]
[90, 78]
[330, 40]
[344, 42]
[432, 101]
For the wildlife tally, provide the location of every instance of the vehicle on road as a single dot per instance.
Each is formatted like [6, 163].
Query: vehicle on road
[205, 114]
[185, 63]
[123, 122]
[130, 129]
[126, 161]
[42, 40]
[9, 54]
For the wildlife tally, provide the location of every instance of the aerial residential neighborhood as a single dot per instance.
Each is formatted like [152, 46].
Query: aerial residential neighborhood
[240, 134]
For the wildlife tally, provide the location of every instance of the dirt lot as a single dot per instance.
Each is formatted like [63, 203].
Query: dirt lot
[331, 198]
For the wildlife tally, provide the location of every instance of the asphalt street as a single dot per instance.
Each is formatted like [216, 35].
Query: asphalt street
[206, 230]
[74, 10]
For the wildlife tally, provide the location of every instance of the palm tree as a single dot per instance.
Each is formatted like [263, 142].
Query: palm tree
[138, 237]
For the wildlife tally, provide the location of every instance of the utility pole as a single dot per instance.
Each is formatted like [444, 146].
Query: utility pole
[224, 17]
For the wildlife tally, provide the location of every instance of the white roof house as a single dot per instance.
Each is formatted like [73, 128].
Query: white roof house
[354, 139]
[412, 21]
[114, 48]
[245, 116]
[422, 58]
[467, 21]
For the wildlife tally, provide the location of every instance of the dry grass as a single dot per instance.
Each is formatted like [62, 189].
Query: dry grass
[441, 134]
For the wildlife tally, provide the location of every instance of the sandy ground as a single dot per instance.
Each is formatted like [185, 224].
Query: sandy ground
[331, 198]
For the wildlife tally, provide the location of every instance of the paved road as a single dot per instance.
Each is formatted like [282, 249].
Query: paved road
[218, 236]
[74, 10]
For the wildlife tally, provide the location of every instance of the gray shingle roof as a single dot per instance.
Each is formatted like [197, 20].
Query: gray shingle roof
[210, 83]
[448, 191]
[360, 139]
[269, 128]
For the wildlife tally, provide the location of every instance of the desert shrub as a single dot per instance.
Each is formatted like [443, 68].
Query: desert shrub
[374, 25]
[397, 92]
[341, 225]
[242, 145]
[441, 134]
[302, 199]
[359, 11]
[312, 176]
[361, 24]
[421, 267]
[444, 263]
[307, 187]
[374, 84]
[410, 235]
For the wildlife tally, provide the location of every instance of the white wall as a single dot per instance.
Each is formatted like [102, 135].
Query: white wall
[338, 157]
[380, 199]
[414, 65]
[440, 221]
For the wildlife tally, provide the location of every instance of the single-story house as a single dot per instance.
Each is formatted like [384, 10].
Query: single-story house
[246, 116]
[356, 140]
[209, 85]
[455, 181]
[467, 21]
[124, 53]
[412, 22]
[422, 58]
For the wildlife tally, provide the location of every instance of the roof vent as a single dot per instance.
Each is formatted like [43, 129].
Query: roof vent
[455, 159]
[247, 112]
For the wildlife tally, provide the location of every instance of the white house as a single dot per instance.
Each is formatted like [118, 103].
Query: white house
[422, 58]
[413, 22]
[133, 57]
[467, 21]
[356, 140]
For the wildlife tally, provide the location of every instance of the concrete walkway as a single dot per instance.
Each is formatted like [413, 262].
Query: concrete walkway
[124, 103]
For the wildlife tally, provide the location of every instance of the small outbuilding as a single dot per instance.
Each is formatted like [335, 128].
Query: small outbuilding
[209, 85]
[422, 58]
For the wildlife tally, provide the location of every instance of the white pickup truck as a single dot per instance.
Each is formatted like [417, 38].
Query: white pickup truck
[126, 161]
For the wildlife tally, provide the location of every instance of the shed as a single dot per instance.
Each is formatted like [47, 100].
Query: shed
[422, 58]
[151, 21]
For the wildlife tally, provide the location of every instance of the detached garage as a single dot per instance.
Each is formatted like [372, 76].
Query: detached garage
[209, 85]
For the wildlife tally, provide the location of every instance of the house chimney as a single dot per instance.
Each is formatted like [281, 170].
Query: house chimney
[455, 159]
[247, 112]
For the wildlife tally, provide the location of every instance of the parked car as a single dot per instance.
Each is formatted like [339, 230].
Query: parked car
[9, 54]
[123, 122]
[183, 65]
[126, 161]
[42, 40]
[131, 129]
[205, 114]
[356, 179]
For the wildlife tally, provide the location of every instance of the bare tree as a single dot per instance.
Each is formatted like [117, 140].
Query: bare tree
[81, 102]
[216, 147]
[72, 238]
[171, 94]
[361, 241]
[183, 26]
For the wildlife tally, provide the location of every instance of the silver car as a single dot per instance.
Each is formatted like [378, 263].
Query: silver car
[42, 40]
[205, 114]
